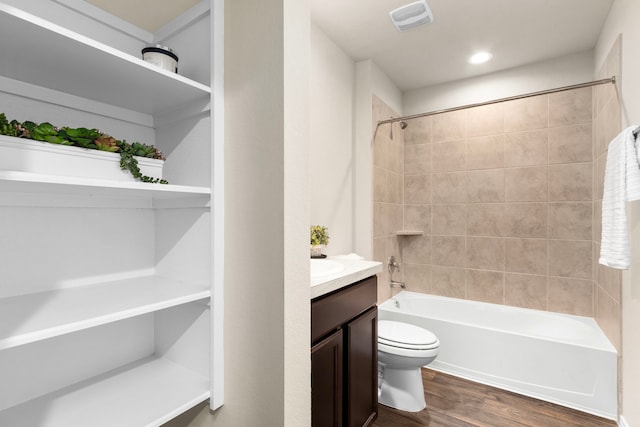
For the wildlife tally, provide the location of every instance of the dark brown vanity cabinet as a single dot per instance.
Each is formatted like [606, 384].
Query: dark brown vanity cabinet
[344, 356]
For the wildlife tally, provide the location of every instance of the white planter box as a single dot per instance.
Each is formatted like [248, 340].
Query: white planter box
[25, 155]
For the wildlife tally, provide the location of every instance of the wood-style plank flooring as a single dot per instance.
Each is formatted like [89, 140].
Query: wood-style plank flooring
[455, 402]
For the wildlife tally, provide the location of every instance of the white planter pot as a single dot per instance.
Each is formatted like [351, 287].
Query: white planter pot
[25, 155]
[316, 251]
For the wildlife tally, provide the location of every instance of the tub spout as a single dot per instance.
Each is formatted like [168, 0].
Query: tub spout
[395, 284]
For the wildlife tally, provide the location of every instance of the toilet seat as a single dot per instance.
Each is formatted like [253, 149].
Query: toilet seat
[406, 336]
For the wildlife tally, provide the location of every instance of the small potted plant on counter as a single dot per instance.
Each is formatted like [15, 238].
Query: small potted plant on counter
[319, 239]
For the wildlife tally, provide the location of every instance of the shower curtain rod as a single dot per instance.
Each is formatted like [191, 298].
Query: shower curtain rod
[495, 101]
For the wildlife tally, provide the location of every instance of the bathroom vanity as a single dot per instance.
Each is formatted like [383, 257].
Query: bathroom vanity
[344, 362]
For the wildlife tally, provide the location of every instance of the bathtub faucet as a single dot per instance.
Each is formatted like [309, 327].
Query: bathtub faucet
[393, 266]
[395, 284]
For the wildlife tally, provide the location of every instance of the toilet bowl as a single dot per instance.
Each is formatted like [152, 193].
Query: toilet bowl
[402, 350]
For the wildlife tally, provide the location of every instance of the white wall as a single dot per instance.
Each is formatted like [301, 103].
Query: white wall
[340, 151]
[370, 80]
[623, 19]
[385, 89]
[558, 72]
[364, 156]
[266, 270]
[297, 307]
[331, 154]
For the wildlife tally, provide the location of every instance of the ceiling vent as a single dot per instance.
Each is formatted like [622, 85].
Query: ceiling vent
[411, 15]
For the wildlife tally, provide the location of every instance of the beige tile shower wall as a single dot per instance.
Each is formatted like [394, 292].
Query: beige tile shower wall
[504, 194]
[388, 145]
[606, 125]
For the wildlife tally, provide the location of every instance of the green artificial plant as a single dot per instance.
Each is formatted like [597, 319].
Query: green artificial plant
[319, 235]
[85, 138]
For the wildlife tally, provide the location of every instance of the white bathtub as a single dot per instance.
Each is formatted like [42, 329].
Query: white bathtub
[555, 357]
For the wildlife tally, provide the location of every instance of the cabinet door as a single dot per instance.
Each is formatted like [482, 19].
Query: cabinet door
[362, 369]
[327, 381]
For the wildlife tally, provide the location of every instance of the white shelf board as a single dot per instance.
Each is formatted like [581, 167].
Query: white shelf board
[42, 53]
[147, 393]
[27, 182]
[38, 316]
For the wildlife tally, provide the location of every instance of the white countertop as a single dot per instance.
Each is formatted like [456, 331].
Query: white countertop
[353, 271]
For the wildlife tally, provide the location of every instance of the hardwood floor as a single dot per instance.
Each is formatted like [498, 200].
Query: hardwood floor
[455, 402]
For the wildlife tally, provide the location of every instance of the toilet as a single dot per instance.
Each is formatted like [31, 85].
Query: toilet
[402, 350]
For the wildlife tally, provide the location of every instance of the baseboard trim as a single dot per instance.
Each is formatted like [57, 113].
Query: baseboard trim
[622, 422]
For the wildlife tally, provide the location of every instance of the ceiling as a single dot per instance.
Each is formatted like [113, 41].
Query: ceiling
[517, 32]
[150, 15]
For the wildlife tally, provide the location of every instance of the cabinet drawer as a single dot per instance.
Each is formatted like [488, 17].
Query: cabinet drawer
[331, 311]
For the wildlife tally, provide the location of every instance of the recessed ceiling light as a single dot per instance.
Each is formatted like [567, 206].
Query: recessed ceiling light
[479, 57]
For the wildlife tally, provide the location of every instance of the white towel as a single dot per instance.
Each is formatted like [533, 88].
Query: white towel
[621, 184]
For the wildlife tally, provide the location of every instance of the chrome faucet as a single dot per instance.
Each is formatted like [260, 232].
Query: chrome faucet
[395, 284]
[393, 265]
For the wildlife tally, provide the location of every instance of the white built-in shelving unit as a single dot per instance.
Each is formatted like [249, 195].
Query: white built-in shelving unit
[105, 286]
[68, 310]
[77, 65]
[28, 182]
